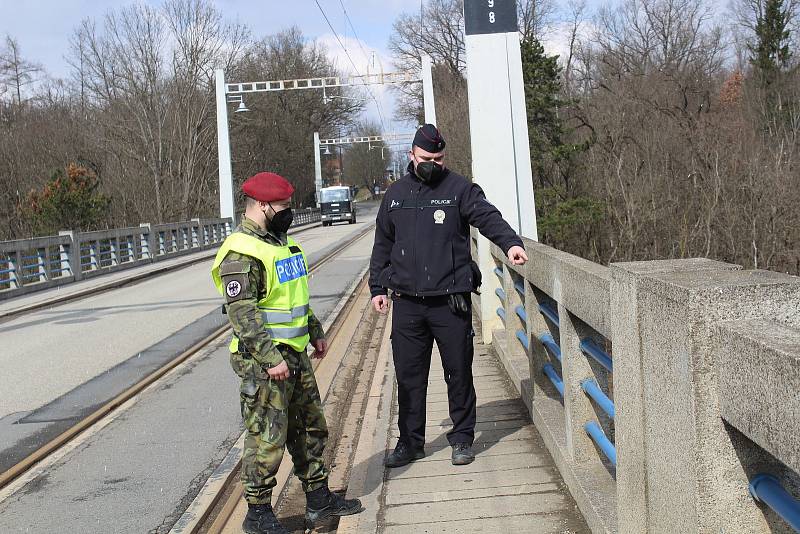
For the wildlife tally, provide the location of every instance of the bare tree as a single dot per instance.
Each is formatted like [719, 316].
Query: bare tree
[535, 18]
[15, 71]
[438, 31]
[277, 134]
[148, 77]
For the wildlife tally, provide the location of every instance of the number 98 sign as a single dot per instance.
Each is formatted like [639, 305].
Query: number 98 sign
[490, 16]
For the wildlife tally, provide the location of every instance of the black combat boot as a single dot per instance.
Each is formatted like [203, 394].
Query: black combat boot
[404, 454]
[322, 503]
[261, 519]
[462, 454]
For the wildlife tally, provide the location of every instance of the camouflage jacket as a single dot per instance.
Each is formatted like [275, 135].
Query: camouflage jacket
[242, 310]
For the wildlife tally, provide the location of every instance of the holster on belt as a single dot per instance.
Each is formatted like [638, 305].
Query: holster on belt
[458, 304]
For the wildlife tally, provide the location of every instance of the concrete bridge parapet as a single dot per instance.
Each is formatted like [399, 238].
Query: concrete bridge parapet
[662, 389]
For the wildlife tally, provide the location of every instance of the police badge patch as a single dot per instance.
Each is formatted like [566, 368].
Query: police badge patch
[233, 289]
[439, 216]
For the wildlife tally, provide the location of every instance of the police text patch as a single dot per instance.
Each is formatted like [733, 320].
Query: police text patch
[290, 268]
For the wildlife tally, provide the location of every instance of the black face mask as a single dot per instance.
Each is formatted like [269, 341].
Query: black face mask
[281, 221]
[429, 171]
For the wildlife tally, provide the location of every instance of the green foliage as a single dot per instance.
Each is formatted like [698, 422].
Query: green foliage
[565, 217]
[566, 224]
[770, 54]
[66, 202]
[541, 75]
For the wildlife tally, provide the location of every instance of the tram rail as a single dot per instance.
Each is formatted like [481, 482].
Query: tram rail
[34, 459]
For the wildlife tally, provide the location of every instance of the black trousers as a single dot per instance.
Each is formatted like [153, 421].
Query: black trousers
[416, 323]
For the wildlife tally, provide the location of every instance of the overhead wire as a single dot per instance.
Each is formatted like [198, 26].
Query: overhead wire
[364, 52]
[347, 53]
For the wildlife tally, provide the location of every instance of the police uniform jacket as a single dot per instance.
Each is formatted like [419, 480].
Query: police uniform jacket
[422, 240]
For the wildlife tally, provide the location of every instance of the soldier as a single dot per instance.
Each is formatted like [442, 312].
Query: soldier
[263, 275]
[422, 254]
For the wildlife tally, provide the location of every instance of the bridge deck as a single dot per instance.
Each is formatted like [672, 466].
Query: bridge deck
[512, 486]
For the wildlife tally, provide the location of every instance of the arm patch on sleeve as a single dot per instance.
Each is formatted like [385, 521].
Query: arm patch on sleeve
[235, 280]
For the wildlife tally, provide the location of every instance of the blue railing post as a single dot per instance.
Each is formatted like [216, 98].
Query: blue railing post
[767, 489]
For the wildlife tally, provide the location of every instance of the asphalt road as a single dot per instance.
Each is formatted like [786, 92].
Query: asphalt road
[139, 472]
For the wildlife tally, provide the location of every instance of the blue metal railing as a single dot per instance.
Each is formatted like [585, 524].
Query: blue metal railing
[521, 313]
[502, 314]
[499, 272]
[548, 311]
[551, 345]
[551, 373]
[590, 348]
[767, 489]
[523, 338]
[593, 390]
[500, 294]
[600, 439]
[520, 289]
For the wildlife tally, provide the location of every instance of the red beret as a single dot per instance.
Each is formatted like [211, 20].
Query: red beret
[267, 187]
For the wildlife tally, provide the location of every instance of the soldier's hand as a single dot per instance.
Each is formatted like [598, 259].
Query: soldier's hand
[320, 348]
[279, 372]
[381, 303]
[517, 256]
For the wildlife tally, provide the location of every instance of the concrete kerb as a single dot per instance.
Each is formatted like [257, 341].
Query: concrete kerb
[368, 473]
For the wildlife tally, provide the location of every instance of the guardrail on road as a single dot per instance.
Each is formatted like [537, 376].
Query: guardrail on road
[28, 265]
[666, 391]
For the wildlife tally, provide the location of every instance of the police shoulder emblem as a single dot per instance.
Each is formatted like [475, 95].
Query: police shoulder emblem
[438, 216]
[233, 288]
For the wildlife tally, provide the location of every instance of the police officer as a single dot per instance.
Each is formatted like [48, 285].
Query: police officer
[263, 275]
[422, 253]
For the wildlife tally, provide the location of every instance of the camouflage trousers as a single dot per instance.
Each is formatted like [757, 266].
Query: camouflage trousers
[277, 414]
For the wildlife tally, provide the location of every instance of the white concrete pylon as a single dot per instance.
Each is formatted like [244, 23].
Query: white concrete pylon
[501, 161]
[427, 90]
[317, 168]
[226, 205]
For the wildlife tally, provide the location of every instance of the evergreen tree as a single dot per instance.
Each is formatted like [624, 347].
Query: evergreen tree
[68, 201]
[564, 214]
[770, 53]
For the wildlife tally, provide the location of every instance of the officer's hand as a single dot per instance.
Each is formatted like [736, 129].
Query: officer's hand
[381, 303]
[279, 372]
[320, 348]
[517, 256]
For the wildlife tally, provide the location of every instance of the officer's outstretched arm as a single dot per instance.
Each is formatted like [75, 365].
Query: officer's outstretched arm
[484, 216]
[242, 279]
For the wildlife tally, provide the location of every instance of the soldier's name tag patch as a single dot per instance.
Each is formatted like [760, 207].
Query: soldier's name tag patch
[233, 288]
[439, 216]
[290, 268]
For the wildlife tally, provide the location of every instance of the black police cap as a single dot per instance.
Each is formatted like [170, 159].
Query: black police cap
[428, 138]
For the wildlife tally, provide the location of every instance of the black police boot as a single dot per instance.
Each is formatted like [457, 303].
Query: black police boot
[462, 454]
[260, 519]
[322, 503]
[404, 454]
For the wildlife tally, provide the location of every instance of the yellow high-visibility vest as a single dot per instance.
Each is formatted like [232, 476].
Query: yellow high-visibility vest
[285, 307]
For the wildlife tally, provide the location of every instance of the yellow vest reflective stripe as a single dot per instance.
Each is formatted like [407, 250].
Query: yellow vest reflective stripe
[280, 316]
[285, 307]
